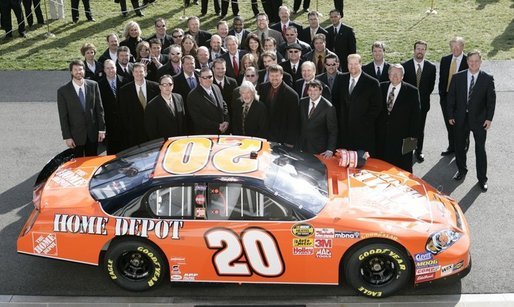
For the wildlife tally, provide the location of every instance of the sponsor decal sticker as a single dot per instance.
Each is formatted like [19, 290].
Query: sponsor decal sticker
[200, 212]
[176, 277]
[446, 270]
[303, 242]
[324, 233]
[323, 253]
[175, 269]
[458, 265]
[44, 243]
[369, 292]
[427, 263]
[303, 251]
[200, 199]
[302, 230]
[425, 277]
[379, 235]
[69, 178]
[347, 235]
[323, 243]
[427, 270]
[190, 276]
[423, 257]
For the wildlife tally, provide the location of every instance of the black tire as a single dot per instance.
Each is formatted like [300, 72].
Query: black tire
[135, 265]
[378, 269]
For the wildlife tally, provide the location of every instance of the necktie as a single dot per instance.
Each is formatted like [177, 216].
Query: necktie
[293, 69]
[192, 82]
[113, 87]
[378, 72]
[220, 84]
[236, 67]
[82, 99]
[262, 38]
[213, 98]
[216, 55]
[245, 113]
[312, 34]
[453, 69]
[418, 75]
[312, 109]
[141, 97]
[330, 82]
[319, 65]
[284, 30]
[352, 85]
[335, 37]
[470, 91]
[305, 90]
[390, 101]
[171, 106]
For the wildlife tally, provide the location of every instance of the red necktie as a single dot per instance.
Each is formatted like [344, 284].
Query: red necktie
[305, 90]
[236, 67]
[284, 30]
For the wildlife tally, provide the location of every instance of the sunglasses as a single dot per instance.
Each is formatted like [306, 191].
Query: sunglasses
[177, 36]
[334, 64]
[294, 51]
[206, 77]
[250, 76]
[166, 84]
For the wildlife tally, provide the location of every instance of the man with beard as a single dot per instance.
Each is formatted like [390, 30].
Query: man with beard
[81, 113]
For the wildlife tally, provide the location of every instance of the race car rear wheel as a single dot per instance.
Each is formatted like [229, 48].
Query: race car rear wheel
[378, 269]
[135, 265]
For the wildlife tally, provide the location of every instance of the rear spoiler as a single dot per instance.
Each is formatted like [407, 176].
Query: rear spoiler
[53, 164]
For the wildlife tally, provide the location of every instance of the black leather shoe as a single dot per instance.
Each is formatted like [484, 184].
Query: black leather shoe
[483, 185]
[420, 157]
[91, 19]
[459, 175]
[448, 152]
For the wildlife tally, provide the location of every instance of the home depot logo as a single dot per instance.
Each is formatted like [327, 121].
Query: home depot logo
[45, 243]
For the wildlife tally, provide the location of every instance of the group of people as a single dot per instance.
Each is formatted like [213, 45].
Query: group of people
[305, 87]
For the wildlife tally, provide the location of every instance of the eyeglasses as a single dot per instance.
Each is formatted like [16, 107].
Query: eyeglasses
[206, 77]
[294, 51]
[333, 64]
[160, 26]
[250, 76]
[171, 53]
[166, 84]
[177, 36]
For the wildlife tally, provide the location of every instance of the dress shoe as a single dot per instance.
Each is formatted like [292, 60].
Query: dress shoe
[448, 152]
[23, 34]
[7, 37]
[91, 19]
[420, 157]
[306, 10]
[124, 14]
[483, 185]
[75, 20]
[140, 14]
[460, 175]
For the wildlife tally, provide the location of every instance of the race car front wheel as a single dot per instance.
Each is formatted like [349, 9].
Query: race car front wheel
[135, 265]
[378, 269]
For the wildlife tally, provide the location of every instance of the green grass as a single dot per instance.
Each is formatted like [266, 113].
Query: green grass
[487, 25]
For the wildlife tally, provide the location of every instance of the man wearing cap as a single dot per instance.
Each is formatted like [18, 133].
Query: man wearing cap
[294, 63]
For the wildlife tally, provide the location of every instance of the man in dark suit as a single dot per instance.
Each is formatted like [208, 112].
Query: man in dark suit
[202, 57]
[292, 38]
[318, 122]
[249, 116]
[174, 65]
[377, 68]
[160, 34]
[450, 64]
[133, 99]
[111, 53]
[301, 86]
[206, 107]
[421, 74]
[165, 114]
[358, 97]
[157, 60]
[318, 54]
[269, 59]
[398, 118]
[123, 65]
[293, 65]
[332, 75]
[238, 30]
[215, 47]
[5, 8]
[340, 38]
[308, 33]
[471, 103]
[75, 10]
[263, 30]
[201, 37]
[81, 113]
[188, 79]
[110, 86]
[224, 83]
[282, 105]
[285, 21]
[233, 57]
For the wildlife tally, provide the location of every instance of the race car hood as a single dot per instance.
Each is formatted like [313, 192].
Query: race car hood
[399, 198]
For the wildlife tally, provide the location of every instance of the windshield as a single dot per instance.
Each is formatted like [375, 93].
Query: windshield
[132, 168]
[299, 178]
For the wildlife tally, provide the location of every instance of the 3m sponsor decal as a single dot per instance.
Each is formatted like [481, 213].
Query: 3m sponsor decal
[45, 243]
[347, 234]
[97, 225]
[324, 233]
[323, 243]
[369, 292]
[379, 235]
[190, 276]
[423, 257]
[428, 270]
[301, 242]
[427, 263]
[384, 251]
[425, 277]
[302, 230]
[303, 251]
[458, 265]
[323, 253]
[446, 270]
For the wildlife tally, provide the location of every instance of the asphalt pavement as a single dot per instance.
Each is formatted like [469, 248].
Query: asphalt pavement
[31, 136]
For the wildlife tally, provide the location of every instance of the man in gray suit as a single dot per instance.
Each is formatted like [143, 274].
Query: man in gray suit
[81, 113]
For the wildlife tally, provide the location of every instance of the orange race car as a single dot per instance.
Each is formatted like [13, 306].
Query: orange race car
[239, 209]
